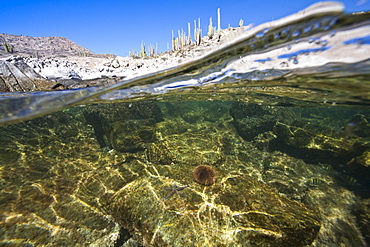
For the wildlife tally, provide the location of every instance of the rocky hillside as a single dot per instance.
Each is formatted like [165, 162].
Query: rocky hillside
[54, 63]
[40, 46]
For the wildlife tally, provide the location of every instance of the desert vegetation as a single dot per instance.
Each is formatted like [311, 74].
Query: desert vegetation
[182, 39]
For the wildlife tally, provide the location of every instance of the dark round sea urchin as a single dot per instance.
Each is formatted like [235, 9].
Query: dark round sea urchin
[204, 174]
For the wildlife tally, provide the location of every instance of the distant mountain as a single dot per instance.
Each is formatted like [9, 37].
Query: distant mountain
[40, 46]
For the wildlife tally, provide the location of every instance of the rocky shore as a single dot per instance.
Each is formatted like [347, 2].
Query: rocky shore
[55, 63]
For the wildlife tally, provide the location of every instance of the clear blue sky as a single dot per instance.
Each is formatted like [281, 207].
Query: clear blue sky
[114, 26]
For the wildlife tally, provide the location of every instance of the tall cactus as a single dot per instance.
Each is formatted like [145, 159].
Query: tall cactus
[197, 33]
[173, 41]
[218, 20]
[210, 28]
[241, 22]
[7, 47]
[142, 50]
[189, 34]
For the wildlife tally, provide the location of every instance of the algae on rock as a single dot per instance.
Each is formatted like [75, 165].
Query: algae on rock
[59, 184]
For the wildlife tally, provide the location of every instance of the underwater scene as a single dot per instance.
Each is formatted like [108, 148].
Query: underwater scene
[263, 142]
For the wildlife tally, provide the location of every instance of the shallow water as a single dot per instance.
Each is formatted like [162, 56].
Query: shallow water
[281, 116]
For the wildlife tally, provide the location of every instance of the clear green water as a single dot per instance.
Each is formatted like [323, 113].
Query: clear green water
[289, 148]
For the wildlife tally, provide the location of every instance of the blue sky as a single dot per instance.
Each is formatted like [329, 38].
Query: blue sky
[116, 27]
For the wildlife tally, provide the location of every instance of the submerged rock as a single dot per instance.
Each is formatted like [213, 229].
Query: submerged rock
[362, 212]
[361, 126]
[39, 186]
[204, 149]
[125, 127]
[334, 206]
[59, 186]
[215, 216]
[251, 120]
[313, 142]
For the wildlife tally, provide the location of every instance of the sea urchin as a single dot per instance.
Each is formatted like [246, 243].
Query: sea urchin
[204, 174]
